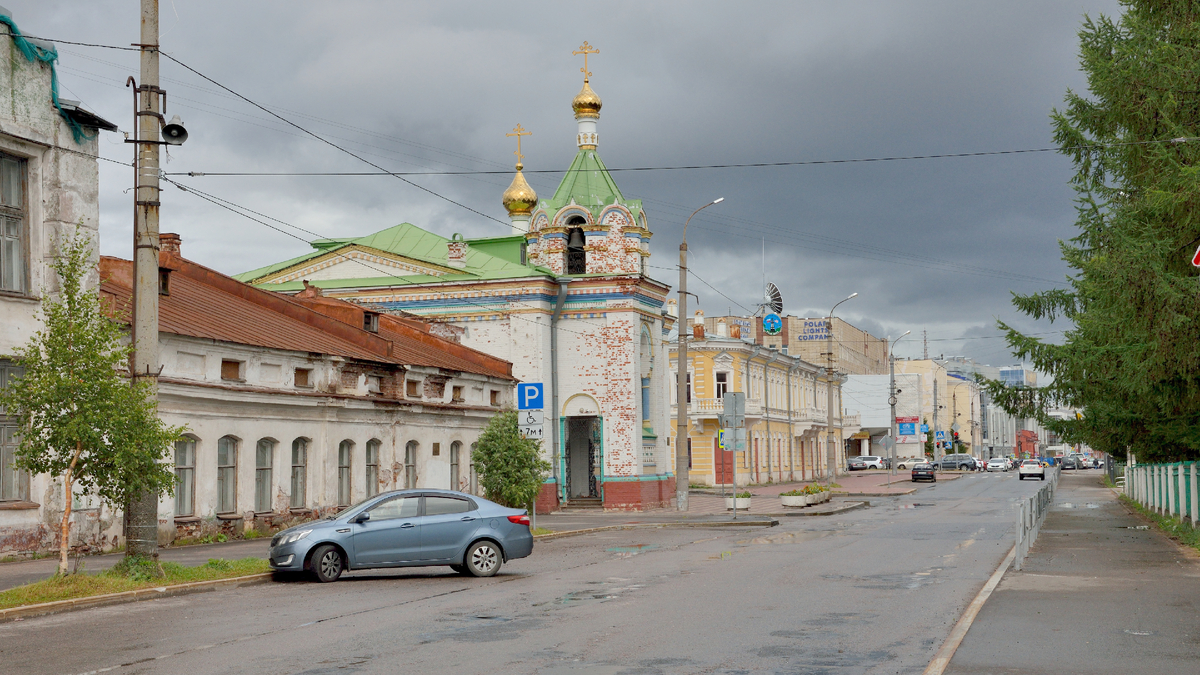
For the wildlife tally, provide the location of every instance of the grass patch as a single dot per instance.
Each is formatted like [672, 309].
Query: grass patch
[127, 577]
[540, 530]
[1180, 531]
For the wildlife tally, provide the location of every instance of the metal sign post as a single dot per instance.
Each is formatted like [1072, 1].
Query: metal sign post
[530, 417]
[735, 418]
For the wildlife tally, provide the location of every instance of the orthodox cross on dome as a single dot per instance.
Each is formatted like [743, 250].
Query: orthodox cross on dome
[585, 50]
[519, 131]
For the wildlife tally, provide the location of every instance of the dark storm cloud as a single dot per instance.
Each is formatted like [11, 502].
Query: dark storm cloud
[928, 244]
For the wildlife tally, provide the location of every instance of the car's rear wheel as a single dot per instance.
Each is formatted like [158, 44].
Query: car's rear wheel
[1021, 476]
[484, 559]
[327, 563]
[460, 569]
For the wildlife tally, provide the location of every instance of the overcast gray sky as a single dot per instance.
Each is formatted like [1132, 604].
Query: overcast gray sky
[934, 244]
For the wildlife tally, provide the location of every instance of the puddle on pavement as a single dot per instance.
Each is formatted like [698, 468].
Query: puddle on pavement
[1066, 505]
[479, 628]
[594, 595]
[787, 537]
[630, 551]
[1139, 632]
[912, 506]
[1091, 506]
[890, 582]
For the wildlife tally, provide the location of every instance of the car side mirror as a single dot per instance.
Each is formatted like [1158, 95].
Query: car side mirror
[362, 517]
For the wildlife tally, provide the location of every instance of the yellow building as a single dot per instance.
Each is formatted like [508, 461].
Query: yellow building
[956, 399]
[855, 351]
[785, 413]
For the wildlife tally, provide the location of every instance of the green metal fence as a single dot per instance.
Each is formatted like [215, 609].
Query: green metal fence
[1168, 489]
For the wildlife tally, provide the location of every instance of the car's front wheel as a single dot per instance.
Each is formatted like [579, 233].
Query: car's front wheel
[327, 563]
[484, 559]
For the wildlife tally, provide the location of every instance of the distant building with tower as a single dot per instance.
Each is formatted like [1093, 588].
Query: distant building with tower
[564, 296]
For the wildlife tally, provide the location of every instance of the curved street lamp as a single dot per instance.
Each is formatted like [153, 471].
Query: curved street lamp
[681, 413]
[830, 454]
[892, 402]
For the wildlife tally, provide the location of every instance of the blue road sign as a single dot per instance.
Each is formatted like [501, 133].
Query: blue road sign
[529, 396]
[906, 428]
[941, 435]
[924, 428]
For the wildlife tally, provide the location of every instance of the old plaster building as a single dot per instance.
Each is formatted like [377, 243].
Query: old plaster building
[48, 188]
[786, 414]
[299, 405]
[565, 298]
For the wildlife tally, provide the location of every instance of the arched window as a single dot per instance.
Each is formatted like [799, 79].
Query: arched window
[455, 450]
[410, 464]
[264, 460]
[227, 448]
[299, 472]
[185, 476]
[345, 449]
[576, 255]
[373, 467]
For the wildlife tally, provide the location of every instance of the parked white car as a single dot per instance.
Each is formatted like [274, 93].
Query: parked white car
[903, 463]
[997, 464]
[872, 462]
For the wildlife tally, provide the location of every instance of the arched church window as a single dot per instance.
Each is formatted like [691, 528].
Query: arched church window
[576, 256]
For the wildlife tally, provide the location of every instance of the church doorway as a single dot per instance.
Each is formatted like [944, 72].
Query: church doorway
[583, 458]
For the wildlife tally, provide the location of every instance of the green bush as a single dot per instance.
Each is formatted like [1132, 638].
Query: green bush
[511, 469]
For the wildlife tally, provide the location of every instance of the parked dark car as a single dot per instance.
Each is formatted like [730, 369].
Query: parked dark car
[923, 471]
[407, 528]
[956, 462]
[856, 464]
[1068, 463]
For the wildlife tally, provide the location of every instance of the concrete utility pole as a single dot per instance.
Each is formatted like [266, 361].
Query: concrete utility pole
[682, 477]
[892, 402]
[830, 449]
[937, 444]
[141, 513]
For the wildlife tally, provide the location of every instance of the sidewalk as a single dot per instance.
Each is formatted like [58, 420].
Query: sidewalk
[1096, 595]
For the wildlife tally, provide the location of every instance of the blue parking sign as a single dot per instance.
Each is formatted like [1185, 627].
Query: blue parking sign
[906, 428]
[529, 396]
[924, 428]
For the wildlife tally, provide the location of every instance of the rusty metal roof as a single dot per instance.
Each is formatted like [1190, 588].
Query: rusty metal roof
[203, 303]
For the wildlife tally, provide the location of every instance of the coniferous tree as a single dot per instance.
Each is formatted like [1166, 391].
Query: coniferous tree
[1129, 358]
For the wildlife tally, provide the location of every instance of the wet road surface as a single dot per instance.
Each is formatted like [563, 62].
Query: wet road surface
[869, 591]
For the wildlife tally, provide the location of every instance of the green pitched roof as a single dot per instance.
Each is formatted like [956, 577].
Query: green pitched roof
[590, 185]
[487, 258]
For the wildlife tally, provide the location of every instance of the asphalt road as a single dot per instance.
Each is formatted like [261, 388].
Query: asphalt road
[870, 591]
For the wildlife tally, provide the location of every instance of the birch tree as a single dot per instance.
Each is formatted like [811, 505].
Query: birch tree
[81, 420]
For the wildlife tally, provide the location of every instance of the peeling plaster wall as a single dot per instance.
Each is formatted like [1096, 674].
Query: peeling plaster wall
[61, 193]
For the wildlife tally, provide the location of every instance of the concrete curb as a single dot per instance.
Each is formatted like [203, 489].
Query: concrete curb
[795, 514]
[942, 659]
[57, 606]
[876, 494]
[770, 522]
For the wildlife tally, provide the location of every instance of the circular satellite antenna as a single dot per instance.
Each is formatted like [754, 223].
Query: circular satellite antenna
[772, 299]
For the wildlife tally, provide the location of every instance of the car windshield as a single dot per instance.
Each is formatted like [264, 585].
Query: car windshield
[922, 466]
[1030, 462]
[351, 511]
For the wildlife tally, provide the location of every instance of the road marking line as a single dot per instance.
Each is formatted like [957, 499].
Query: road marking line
[943, 656]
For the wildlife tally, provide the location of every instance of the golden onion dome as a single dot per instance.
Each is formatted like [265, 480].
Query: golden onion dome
[586, 103]
[519, 199]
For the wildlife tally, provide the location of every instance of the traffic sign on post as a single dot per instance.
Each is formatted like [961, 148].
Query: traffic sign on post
[529, 396]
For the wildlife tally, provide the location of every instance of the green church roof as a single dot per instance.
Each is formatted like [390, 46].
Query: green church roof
[487, 258]
[590, 185]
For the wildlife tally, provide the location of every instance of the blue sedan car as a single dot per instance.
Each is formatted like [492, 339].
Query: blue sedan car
[407, 528]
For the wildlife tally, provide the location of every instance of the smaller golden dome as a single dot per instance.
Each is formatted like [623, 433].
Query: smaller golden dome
[586, 103]
[519, 199]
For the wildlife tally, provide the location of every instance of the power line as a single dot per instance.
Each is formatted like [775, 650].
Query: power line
[689, 167]
[328, 142]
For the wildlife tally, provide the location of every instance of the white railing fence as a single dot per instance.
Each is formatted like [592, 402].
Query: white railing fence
[1167, 489]
[1032, 514]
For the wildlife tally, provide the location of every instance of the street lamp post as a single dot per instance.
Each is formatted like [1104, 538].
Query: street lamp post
[681, 416]
[892, 403]
[830, 451]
